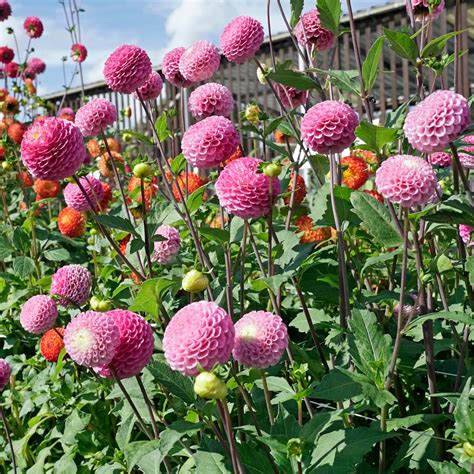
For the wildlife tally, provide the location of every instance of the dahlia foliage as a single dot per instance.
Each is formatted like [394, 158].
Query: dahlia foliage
[190, 282]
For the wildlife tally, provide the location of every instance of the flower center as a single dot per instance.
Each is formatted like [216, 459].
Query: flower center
[83, 340]
[249, 332]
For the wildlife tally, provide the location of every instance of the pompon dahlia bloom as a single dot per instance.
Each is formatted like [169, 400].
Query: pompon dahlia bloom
[166, 250]
[66, 113]
[71, 223]
[72, 283]
[135, 348]
[241, 39]
[200, 61]
[170, 68]
[152, 87]
[127, 68]
[436, 121]
[311, 234]
[441, 159]
[5, 368]
[210, 99]
[210, 141]
[75, 199]
[105, 165]
[38, 314]
[466, 160]
[12, 69]
[95, 116]
[406, 180]
[200, 333]
[422, 9]
[36, 65]
[328, 127]
[33, 26]
[78, 52]
[16, 131]
[469, 139]
[46, 189]
[291, 97]
[91, 339]
[310, 32]
[243, 191]
[465, 232]
[51, 344]
[5, 10]
[53, 149]
[260, 339]
[6, 54]
[355, 172]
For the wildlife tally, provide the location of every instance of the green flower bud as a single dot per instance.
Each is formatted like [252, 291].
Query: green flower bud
[127, 137]
[208, 385]
[95, 303]
[104, 305]
[252, 113]
[468, 449]
[142, 170]
[6, 166]
[272, 170]
[194, 282]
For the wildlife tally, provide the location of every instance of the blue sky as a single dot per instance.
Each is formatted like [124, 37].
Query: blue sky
[155, 25]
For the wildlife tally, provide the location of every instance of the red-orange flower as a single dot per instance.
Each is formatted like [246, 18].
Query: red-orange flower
[194, 182]
[51, 344]
[310, 233]
[71, 223]
[46, 189]
[355, 172]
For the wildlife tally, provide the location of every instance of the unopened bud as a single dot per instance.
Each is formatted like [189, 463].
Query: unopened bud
[194, 282]
[208, 385]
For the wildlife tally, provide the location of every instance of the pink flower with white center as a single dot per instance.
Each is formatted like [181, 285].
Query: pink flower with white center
[210, 99]
[310, 32]
[166, 250]
[36, 65]
[423, 10]
[78, 53]
[75, 198]
[291, 97]
[151, 89]
[72, 284]
[199, 335]
[33, 27]
[5, 368]
[440, 159]
[200, 61]
[465, 231]
[95, 116]
[5, 10]
[39, 314]
[170, 68]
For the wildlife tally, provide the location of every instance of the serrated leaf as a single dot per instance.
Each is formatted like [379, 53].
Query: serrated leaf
[370, 67]
[470, 268]
[195, 199]
[116, 222]
[435, 46]
[330, 14]
[402, 44]
[161, 127]
[221, 236]
[296, 10]
[464, 414]
[5, 248]
[57, 255]
[457, 317]
[178, 164]
[374, 136]
[23, 266]
[291, 78]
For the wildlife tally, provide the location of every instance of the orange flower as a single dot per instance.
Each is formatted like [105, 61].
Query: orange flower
[237, 154]
[93, 148]
[355, 172]
[369, 157]
[194, 182]
[10, 105]
[104, 204]
[30, 87]
[149, 186]
[16, 131]
[114, 145]
[310, 233]
[26, 179]
[51, 344]
[281, 137]
[71, 223]
[300, 192]
[46, 189]
[375, 195]
[3, 94]
[104, 165]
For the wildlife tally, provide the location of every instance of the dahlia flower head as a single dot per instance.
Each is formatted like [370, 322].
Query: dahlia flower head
[6, 54]
[406, 180]
[440, 159]
[436, 121]
[260, 339]
[170, 68]
[243, 191]
[241, 39]
[328, 127]
[310, 32]
[291, 97]
[53, 149]
[152, 87]
[421, 9]
[200, 61]
[200, 334]
[78, 52]
[66, 113]
[5, 10]
[5, 368]
[38, 314]
[127, 68]
[51, 344]
[135, 346]
[465, 232]
[210, 141]
[75, 198]
[72, 284]
[95, 116]
[36, 65]
[33, 26]
[467, 160]
[469, 139]
[91, 339]
[210, 99]
[12, 69]
[166, 250]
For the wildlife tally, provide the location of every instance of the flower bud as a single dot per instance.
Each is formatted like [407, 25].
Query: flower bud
[6, 166]
[104, 305]
[262, 75]
[194, 282]
[468, 449]
[127, 112]
[94, 302]
[272, 170]
[142, 170]
[252, 113]
[208, 385]
[127, 137]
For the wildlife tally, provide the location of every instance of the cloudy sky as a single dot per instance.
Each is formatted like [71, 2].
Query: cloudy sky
[155, 25]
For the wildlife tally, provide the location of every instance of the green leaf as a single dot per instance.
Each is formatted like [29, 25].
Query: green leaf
[464, 414]
[161, 127]
[210, 462]
[73, 425]
[221, 236]
[291, 78]
[150, 294]
[57, 255]
[254, 461]
[140, 136]
[21, 239]
[178, 164]
[380, 259]
[116, 222]
[371, 64]
[470, 268]
[23, 266]
[135, 451]
[195, 199]
[5, 249]
[337, 386]
[445, 467]
[347, 81]
[436, 46]
[457, 317]
[402, 44]
[320, 165]
[330, 14]
[296, 10]
[375, 219]
[374, 136]
[280, 386]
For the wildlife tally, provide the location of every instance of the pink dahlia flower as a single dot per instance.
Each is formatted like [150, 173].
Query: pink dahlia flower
[310, 32]
[291, 97]
[36, 65]
[210, 141]
[5, 368]
[5, 10]
[170, 68]
[12, 70]
[91, 339]
[95, 116]
[6, 54]
[75, 198]
[441, 159]
[135, 347]
[200, 61]
[241, 39]
[72, 283]
[78, 52]
[200, 333]
[407, 180]
[243, 191]
[33, 27]
[166, 250]
[39, 314]
[52, 149]
[152, 87]
[127, 68]
[437, 121]
[260, 339]
[66, 113]
[422, 9]
[467, 160]
[469, 139]
[328, 127]
[465, 231]
[210, 99]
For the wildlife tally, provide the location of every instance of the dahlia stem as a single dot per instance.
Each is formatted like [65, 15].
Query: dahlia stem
[268, 398]
[458, 167]
[242, 270]
[270, 227]
[9, 439]
[145, 228]
[149, 406]
[292, 197]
